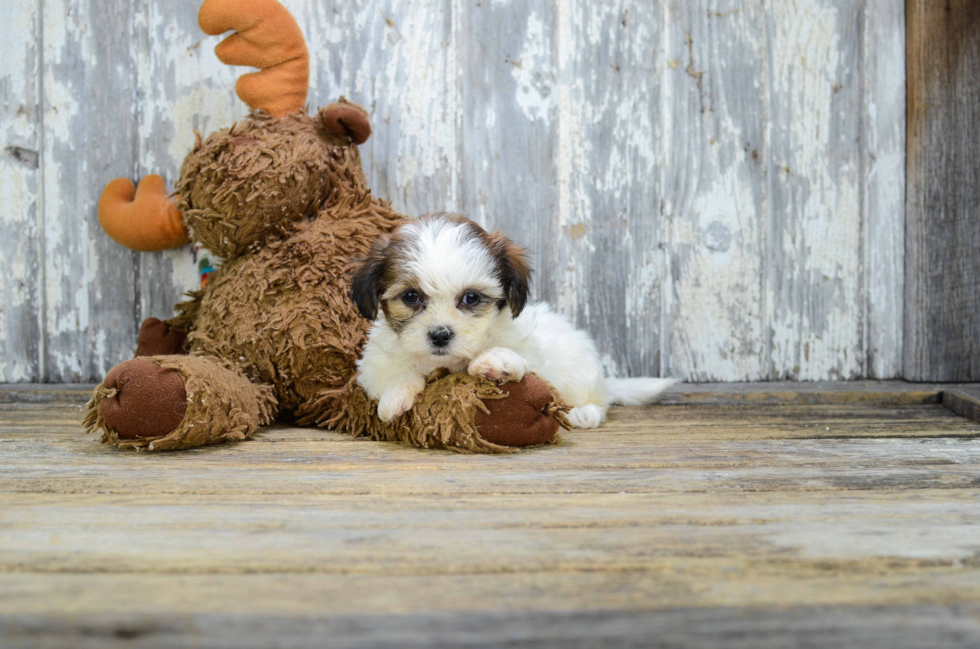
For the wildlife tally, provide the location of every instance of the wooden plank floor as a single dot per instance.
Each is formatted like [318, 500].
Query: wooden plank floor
[837, 523]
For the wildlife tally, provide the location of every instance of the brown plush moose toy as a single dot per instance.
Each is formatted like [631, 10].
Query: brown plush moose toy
[282, 197]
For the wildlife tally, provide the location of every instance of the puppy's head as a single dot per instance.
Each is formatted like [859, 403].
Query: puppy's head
[441, 283]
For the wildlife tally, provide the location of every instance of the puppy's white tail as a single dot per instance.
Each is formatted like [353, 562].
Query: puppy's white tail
[636, 392]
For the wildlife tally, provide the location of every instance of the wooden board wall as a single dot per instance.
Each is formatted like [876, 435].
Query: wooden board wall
[714, 188]
[942, 315]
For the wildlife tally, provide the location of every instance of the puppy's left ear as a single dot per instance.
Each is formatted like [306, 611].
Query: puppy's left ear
[514, 271]
[367, 284]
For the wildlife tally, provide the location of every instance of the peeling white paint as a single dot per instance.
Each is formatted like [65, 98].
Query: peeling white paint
[618, 140]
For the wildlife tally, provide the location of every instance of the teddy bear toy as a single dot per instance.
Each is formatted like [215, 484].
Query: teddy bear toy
[281, 196]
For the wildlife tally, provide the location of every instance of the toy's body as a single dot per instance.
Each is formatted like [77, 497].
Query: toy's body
[283, 199]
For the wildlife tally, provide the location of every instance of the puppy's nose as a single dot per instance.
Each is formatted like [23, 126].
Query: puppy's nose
[440, 336]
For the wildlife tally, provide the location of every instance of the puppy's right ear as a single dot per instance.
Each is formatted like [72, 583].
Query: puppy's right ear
[367, 284]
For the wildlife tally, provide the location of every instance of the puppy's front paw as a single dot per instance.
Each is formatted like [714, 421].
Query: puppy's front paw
[499, 364]
[396, 401]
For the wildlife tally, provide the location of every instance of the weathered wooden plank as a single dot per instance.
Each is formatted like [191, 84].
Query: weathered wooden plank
[719, 394]
[938, 626]
[667, 449]
[808, 392]
[942, 267]
[509, 144]
[692, 526]
[85, 596]
[781, 534]
[735, 627]
[607, 228]
[883, 192]
[61, 394]
[20, 144]
[716, 121]
[88, 82]
[813, 243]
[964, 401]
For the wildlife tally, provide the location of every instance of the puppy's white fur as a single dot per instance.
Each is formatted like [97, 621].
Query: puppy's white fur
[443, 258]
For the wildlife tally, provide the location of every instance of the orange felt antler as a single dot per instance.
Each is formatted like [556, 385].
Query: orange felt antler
[268, 38]
[141, 218]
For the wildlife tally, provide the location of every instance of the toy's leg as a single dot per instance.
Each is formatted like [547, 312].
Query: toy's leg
[157, 338]
[171, 402]
[455, 411]
[164, 338]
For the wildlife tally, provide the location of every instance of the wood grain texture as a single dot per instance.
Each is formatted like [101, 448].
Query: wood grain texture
[715, 190]
[874, 627]
[942, 288]
[749, 526]
[964, 401]
[814, 222]
[775, 393]
[21, 340]
[638, 149]
[88, 88]
[509, 139]
[882, 149]
[607, 229]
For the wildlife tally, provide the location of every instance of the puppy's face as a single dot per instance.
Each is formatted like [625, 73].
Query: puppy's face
[441, 282]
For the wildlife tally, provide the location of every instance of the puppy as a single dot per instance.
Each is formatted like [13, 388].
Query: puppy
[451, 295]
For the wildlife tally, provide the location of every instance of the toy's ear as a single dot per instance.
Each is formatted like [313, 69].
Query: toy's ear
[346, 120]
[367, 285]
[514, 271]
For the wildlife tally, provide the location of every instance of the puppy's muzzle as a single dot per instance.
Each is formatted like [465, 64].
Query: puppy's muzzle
[440, 336]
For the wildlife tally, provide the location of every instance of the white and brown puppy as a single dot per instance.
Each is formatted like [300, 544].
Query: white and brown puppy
[451, 295]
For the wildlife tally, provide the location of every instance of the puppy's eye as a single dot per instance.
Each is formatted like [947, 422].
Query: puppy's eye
[410, 297]
[471, 298]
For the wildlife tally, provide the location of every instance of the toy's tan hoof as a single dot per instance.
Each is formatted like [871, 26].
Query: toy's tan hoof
[519, 419]
[156, 338]
[149, 401]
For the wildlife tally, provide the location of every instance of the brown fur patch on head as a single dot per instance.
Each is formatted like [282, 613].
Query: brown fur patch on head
[380, 280]
[371, 278]
[254, 182]
[513, 269]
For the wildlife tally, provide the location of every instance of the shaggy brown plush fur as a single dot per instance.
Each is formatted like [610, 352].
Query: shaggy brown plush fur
[251, 182]
[221, 406]
[285, 201]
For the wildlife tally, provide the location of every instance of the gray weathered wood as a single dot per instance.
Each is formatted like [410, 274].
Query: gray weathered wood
[731, 627]
[813, 240]
[88, 88]
[942, 288]
[896, 393]
[845, 524]
[717, 124]
[606, 224]
[964, 401]
[883, 190]
[638, 149]
[21, 340]
[509, 143]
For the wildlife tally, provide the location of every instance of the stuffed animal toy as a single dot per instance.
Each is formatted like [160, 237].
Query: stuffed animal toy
[282, 198]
